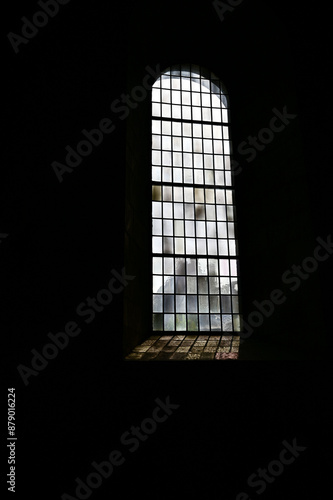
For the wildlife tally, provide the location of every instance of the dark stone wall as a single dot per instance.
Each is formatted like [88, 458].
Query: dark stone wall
[251, 52]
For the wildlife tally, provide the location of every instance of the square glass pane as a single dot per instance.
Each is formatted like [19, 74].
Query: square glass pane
[229, 197]
[168, 227]
[168, 265]
[157, 227]
[198, 176]
[177, 175]
[197, 145]
[188, 176]
[168, 244]
[210, 195]
[178, 211]
[167, 174]
[158, 303]
[187, 160]
[186, 112]
[215, 321]
[211, 229]
[181, 303]
[226, 304]
[218, 162]
[201, 229]
[233, 267]
[157, 284]
[156, 157]
[203, 304]
[219, 178]
[202, 285]
[166, 158]
[201, 246]
[166, 110]
[223, 247]
[180, 322]
[169, 282]
[202, 267]
[157, 244]
[191, 267]
[189, 211]
[230, 213]
[179, 227]
[176, 97]
[211, 247]
[224, 267]
[237, 323]
[188, 194]
[156, 174]
[222, 229]
[169, 303]
[217, 131]
[167, 210]
[214, 285]
[179, 245]
[197, 130]
[208, 162]
[176, 144]
[156, 126]
[169, 322]
[186, 98]
[221, 214]
[213, 267]
[157, 322]
[166, 127]
[196, 113]
[199, 195]
[187, 129]
[192, 322]
[225, 285]
[214, 304]
[190, 246]
[200, 212]
[156, 142]
[198, 161]
[180, 284]
[210, 212]
[227, 322]
[231, 230]
[178, 194]
[180, 266]
[192, 304]
[228, 178]
[157, 265]
[177, 128]
[204, 322]
[177, 159]
[191, 284]
[234, 286]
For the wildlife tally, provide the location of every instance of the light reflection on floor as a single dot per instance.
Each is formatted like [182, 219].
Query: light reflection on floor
[186, 347]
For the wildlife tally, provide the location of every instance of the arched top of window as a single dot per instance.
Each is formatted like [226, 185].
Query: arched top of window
[190, 92]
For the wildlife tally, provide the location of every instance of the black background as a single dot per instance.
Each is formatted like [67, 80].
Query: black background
[64, 238]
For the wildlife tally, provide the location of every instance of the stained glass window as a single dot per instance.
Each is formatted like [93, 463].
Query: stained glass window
[194, 246]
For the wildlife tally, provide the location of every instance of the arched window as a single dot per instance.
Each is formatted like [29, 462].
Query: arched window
[194, 248]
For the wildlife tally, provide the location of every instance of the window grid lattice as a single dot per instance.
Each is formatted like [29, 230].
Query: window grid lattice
[195, 265]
